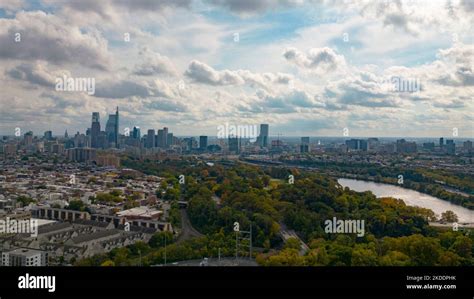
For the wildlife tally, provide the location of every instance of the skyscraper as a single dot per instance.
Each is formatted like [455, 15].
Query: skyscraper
[234, 144]
[169, 139]
[263, 138]
[136, 133]
[150, 139]
[95, 129]
[304, 147]
[165, 137]
[203, 142]
[48, 135]
[112, 128]
[160, 141]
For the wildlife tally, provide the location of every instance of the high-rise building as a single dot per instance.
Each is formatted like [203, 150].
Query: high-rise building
[160, 140]
[203, 142]
[165, 137]
[234, 144]
[405, 147]
[136, 133]
[357, 144]
[112, 128]
[304, 147]
[441, 142]
[169, 139]
[95, 130]
[28, 138]
[150, 139]
[263, 137]
[48, 135]
[450, 147]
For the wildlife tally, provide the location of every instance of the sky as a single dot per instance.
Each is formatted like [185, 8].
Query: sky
[306, 68]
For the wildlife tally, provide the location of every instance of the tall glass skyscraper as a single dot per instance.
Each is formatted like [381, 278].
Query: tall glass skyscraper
[263, 138]
[95, 130]
[112, 128]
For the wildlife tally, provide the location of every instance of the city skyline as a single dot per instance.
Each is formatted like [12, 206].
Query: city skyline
[307, 68]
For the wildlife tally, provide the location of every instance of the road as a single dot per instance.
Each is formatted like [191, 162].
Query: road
[287, 233]
[187, 229]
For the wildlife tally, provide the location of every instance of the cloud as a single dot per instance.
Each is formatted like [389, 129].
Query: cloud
[202, 73]
[361, 90]
[128, 88]
[205, 74]
[166, 105]
[318, 59]
[34, 73]
[154, 64]
[251, 7]
[49, 38]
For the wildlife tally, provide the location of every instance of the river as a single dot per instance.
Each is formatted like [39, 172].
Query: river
[410, 197]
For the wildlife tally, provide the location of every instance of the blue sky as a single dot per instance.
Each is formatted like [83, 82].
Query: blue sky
[305, 67]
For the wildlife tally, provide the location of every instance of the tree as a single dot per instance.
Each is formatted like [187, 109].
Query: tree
[76, 205]
[293, 243]
[158, 239]
[107, 263]
[449, 216]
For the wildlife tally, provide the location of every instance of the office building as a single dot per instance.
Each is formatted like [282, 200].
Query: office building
[95, 130]
[304, 146]
[112, 129]
[203, 142]
[405, 147]
[136, 134]
[450, 147]
[263, 137]
[81, 154]
[150, 138]
[169, 139]
[234, 144]
[356, 145]
[48, 135]
[28, 138]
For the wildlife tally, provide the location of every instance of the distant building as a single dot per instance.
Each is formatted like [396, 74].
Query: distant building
[28, 138]
[150, 138]
[441, 142]
[22, 257]
[160, 141]
[136, 134]
[304, 147]
[165, 137]
[169, 139]
[450, 147]
[234, 144]
[373, 144]
[356, 145]
[405, 147]
[48, 135]
[112, 128]
[203, 142]
[95, 130]
[81, 154]
[263, 137]
[429, 146]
